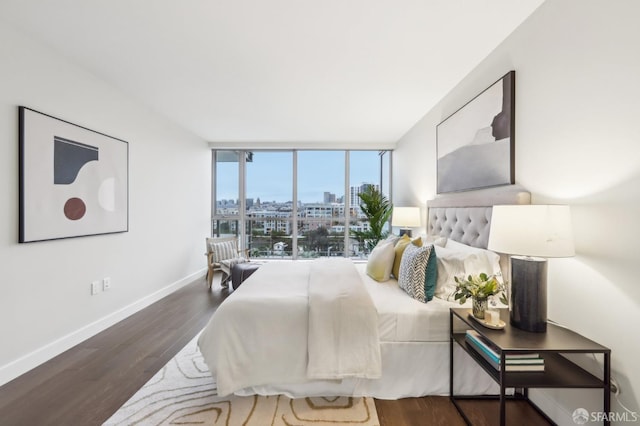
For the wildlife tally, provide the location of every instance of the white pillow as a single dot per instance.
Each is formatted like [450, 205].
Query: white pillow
[380, 262]
[436, 240]
[492, 257]
[455, 263]
[393, 239]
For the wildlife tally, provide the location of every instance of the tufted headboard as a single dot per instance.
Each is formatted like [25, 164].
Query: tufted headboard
[466, 216]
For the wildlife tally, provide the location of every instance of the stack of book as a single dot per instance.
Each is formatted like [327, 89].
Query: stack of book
[513, 361]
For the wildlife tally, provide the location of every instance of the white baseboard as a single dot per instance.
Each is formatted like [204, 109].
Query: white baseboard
[31, 360]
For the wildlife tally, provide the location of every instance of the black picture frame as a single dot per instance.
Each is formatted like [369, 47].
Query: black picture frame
[475, 146]
[73, 181]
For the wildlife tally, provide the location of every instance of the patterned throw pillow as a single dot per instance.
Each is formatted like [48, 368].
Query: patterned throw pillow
[413, 271]
[224, 250]
[401, 246]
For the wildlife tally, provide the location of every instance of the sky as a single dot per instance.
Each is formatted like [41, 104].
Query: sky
[270, 175]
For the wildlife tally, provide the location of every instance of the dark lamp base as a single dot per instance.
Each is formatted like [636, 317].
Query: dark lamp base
[406, 232]
[529, 293]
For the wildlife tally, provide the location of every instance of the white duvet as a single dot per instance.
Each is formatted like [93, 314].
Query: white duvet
[264, 332]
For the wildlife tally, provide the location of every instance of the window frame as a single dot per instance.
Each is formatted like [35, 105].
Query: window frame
[242, 218]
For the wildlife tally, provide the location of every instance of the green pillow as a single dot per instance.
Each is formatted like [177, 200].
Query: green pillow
[431, 275]
[419, 272]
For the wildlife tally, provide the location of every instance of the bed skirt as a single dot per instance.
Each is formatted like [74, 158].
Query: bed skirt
[409, 369]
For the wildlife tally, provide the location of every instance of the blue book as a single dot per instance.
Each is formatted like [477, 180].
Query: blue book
[479, 343]
[481, 346]
[478, 349]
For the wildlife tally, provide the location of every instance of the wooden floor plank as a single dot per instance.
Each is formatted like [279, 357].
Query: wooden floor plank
[88, 383]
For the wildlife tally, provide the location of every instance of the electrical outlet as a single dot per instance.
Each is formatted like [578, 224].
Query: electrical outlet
[106, 283]
[95, 288]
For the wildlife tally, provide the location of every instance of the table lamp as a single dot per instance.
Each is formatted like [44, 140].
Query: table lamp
[532, 233]
[405, 218]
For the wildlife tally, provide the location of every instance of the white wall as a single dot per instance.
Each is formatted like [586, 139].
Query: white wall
[577, 142]
[45, 301]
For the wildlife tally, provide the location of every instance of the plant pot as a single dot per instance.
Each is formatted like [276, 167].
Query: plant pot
[479, 306]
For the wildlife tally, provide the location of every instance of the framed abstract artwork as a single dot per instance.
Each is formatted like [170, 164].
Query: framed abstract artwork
[476, 144]
[73, 181]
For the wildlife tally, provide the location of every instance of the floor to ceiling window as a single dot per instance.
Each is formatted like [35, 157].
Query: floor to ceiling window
[321, 216]
[295, 203]
[226, 193]
[269, 204]
[364, 171]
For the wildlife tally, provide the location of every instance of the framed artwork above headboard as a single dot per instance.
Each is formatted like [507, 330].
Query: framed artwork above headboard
[476, 144]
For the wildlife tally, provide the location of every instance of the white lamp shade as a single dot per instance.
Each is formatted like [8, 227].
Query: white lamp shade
[407, 217]
[532, 230]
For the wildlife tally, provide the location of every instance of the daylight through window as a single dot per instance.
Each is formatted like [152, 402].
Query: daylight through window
[295, 203]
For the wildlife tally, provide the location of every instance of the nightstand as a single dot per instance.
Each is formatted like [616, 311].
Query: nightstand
[559, 372]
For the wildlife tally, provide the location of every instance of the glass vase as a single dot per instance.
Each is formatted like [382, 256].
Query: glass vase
[479, 306]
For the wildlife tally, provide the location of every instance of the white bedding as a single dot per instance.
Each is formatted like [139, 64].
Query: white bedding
[343, 323]
[265, 330]
[404, 319]
[256, 342]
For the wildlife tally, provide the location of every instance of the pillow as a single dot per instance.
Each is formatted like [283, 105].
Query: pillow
[393, 239]
[413, 269]
[401, 245]
[492, 257]
[431, 274]
[436, 240]
[454, 263]
[223, 250]
[380, 262]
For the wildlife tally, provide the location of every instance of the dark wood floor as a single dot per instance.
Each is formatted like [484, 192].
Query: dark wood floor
[88, 383]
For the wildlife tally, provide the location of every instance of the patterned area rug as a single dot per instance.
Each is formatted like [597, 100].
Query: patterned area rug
[184, 393]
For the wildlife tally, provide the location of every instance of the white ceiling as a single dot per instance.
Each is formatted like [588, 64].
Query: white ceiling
[277, 71]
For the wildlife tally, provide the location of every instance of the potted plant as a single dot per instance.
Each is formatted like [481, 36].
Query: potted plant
[479, 288]
[377, 209]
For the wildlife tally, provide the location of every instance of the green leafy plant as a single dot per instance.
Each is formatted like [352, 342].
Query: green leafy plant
[377, 208]
[479, 286]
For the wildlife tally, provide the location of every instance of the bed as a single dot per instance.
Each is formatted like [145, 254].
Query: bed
[281, 332]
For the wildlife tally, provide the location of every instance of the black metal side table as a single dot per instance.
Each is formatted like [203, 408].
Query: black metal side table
[559, 371]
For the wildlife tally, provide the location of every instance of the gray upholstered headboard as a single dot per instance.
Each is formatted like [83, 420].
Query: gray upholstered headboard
[466, 216]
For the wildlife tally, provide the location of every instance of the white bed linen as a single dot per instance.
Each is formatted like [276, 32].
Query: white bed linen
[414, 344]
[404, 319]
[262, 332]
[409, 369]
[343, 323]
